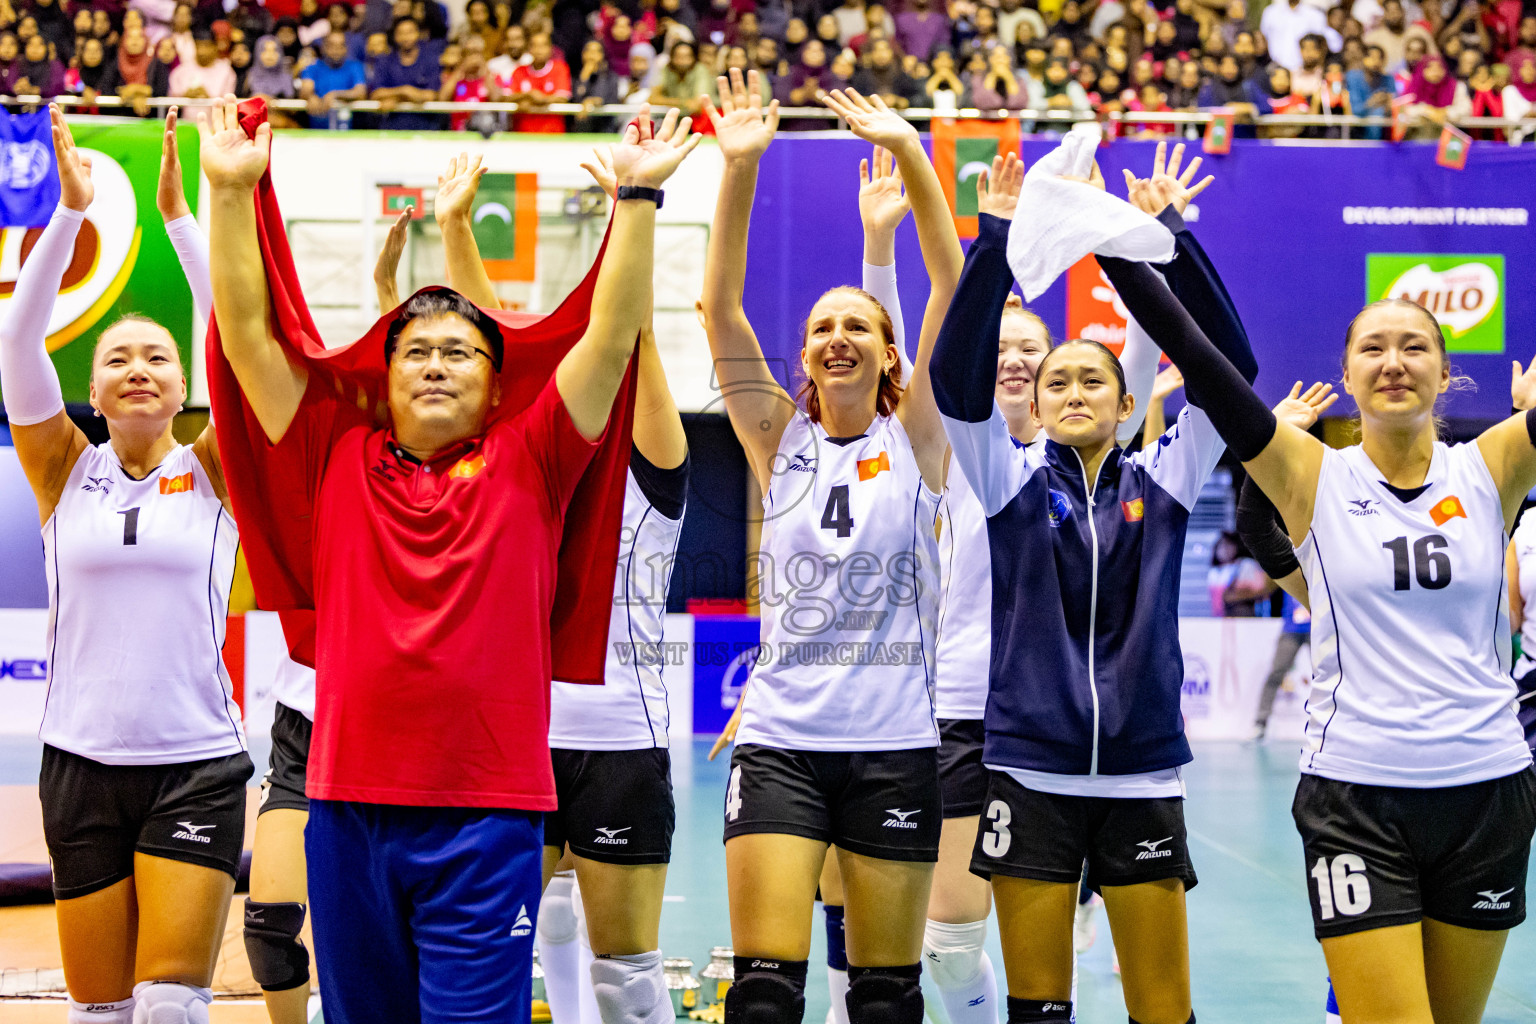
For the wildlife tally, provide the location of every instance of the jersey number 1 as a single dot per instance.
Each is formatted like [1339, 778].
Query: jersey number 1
[1431, 567]
[130, 525]
[837, 515]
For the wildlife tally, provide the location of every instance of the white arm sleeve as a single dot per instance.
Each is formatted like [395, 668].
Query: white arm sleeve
[994, 463]
[1139, 360]
[192, 250]
[32, 392]
[881, 283]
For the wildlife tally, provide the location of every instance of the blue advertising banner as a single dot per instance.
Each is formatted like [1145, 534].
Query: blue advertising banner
[724, 651]
[1304, 235]
[29, 187]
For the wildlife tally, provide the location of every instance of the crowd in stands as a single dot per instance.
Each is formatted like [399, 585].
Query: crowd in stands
[1445, 59]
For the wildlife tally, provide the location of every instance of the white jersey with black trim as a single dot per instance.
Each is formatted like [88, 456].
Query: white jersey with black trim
[1410, 627]
[138, 576]
[848, 586]
[1524, 541]
[628, 712]
[294, 687]
[962, 657]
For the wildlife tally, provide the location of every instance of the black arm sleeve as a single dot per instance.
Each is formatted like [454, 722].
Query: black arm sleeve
[1192, 278]
[963, 366]
[1263, 532]
[1238, 414]
[665, 489]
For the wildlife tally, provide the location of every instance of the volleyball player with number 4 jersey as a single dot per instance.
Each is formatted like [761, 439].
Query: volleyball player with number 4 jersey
[837, 735]
[1417, 800]
[144, 762]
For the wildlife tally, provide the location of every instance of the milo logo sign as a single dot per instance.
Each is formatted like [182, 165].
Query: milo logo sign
[1465, 293]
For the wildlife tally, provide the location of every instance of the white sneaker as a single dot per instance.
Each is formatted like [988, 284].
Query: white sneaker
[1084, 928]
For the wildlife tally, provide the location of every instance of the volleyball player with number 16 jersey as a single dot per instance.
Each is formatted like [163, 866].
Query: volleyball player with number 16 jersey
[1417, 801]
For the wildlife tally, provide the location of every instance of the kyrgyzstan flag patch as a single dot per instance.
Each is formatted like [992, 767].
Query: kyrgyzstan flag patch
[1447, 509]
[871, 468]
[1134, 510]
[176, 484]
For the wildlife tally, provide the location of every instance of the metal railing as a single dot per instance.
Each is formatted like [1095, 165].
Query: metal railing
[1040, 118]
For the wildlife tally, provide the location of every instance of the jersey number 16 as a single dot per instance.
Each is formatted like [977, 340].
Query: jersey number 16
[1431, 566]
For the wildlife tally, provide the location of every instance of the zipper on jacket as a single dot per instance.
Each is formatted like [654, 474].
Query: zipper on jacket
[1093, 610]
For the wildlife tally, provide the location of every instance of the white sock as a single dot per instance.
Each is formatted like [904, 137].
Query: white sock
[166, 1002]
[961, 970]
[120, 1012]
[631, 989]
[559, 954]
[837, 985]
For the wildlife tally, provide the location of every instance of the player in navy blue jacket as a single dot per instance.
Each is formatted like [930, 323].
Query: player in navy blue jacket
[1084, 737]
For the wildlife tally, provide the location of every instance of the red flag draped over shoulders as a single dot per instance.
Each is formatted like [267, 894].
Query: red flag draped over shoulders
[272, 496]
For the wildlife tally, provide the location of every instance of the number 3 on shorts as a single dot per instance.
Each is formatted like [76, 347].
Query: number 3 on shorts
[733, 795]
[996, 842]
[1342, 887]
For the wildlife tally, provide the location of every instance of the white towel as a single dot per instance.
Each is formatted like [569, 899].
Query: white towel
[1059, 222]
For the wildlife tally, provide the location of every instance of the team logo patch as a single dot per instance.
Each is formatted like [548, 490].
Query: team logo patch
[176, 484]
[803, 464]
[1152, 852]
[468, 466]
[871, 468]
[1447, 509]
[1362, 507]
[1133, 510]
[1058, 507]
[523, 925]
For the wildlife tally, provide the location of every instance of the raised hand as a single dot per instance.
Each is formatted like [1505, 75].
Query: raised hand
[170, 194]
[1166, 383]
[648, 155]
[1522, 387]
[1167, 186]
[883, 203]
[385, 271]
[600, 166]
[997, 190]
[75, 188]
[743, 126]
[870, 119]
[1301, 409]
[231, 159]
[456, 188]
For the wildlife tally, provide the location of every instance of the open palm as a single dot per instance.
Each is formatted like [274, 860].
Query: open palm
[743, 126]
[456, 188]
[229, 157]
[1167, 186]
[75, 188]
[870, 119]
[883, 203]
[648, 155]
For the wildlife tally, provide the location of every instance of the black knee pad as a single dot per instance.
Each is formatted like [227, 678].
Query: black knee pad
[278, 958]
[1035, 1011]
[766, 992]
[885, 995]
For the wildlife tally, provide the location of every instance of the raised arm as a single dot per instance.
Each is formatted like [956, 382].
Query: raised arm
[883, 205]
[590, 374]
[233, 163]
[874, 122]
[47, 441]
[758, 406]
[387, 269]
[452, 207]
[181, 226]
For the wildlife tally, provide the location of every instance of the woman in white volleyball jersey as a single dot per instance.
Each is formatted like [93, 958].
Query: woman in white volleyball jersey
[144, 762]
[1417, 800]
[837, 738]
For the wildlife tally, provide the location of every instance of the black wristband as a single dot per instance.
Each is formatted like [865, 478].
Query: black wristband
[639, 192]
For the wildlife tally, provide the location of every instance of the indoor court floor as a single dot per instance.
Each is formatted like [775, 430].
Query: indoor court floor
[1254, 958]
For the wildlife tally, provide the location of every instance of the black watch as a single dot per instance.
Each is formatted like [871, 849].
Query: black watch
[640, 192]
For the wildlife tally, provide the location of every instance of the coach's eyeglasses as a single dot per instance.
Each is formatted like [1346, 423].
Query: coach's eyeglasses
[456, 356]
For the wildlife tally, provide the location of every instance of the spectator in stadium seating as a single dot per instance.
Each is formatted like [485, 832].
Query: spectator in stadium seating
[432, 19]
[161, 67]
[1228, 88]
[1010, 15]
[1167, 74]
[998, 87]
[91, 75]
[1186, 95]
[35, 73]
[683, 80]
[1394, 33]
[53, 23]
[1274, 96]
[1353, 54]
[943, 90]
[336, 77]
[1307, 79]
[313, 23]
[714, 22]
[766, 55]
[207, 74]
[545, 79]
[286, 31]
[850, 19]
[133, 63]
[920, 30]
[736, 57]
[469, 82]
[881, 75]
[1520, 93]
[1434, 91]
[1525, 44]
[1060, 91]
[745, 32]
[514, 51]
[1235, 581]
[1164, 41]
[1032, 58]
[983, 31]
[709, 58]
[240, 60]
[271, 75]
[181, 32]
[1486, 100]
[642, 74]
[406, 75]
[477, 22]
[339, 17]
[799, 88]
[1149, 99]
[1371, 89]
[616, 38]
[1283, 25]
[1235, 21]
[595, 84]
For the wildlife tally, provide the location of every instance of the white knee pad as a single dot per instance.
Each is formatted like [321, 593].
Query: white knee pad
[631, 989]
[166, 1002]
[557, 918]
[952, 952]
[120, 1012]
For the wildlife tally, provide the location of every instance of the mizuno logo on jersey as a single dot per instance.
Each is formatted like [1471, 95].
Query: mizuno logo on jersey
[99, 484]
[468, 466]
[871, 468]
[190, 831]
[608, 836]
[1493, 900]
[1152, 852]
[1133, 510]
[803, 464]
[1058, 507]
[899, 818]
[176, 484]
[1447, 509]
[1362, 507]
[522, 926]
[855, 618]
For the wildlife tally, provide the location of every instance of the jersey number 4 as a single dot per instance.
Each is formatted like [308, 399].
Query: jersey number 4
[1431, 566]
[837, 516]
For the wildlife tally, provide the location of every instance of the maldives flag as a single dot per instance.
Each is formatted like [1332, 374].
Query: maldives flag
[506, 225]
[1452, 151]
[961, 151]
[270, 494]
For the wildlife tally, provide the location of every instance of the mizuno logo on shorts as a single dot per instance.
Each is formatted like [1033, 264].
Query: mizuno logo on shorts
[608, 835]
[1152, 852]
[1493, 900]
[190, 832]
[899, 818]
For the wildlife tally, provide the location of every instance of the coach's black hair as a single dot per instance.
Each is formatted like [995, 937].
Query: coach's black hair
[445, 302]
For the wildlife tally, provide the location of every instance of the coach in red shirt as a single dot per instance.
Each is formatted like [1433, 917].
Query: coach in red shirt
[435, 543]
